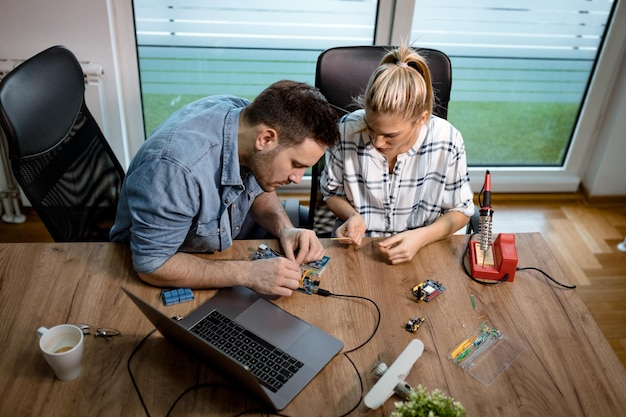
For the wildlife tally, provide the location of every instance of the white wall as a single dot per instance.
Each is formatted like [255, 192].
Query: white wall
[102, 31]
[97, 31]
[605, 172]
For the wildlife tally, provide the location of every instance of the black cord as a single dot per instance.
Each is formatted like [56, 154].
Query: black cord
[569, 287]
[185, 392]
[480, 196]
[219, 385]
[132, 378]
[326, 293]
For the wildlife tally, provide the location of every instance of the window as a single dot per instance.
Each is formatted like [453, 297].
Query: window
[520, 72]
[237, 47]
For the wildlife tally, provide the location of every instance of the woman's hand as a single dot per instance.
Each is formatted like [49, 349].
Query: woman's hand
[353, 230]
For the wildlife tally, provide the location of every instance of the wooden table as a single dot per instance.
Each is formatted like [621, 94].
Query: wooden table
[567, 368]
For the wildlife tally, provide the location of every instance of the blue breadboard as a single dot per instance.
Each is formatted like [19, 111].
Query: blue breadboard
[179, 295]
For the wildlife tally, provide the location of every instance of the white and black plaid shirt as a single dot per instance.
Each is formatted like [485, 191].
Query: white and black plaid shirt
[428, 180]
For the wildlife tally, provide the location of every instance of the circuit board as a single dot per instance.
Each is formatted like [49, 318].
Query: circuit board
[311, 272]
[427, 290]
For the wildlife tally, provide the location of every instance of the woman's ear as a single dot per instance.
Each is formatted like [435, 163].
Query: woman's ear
[423, 118]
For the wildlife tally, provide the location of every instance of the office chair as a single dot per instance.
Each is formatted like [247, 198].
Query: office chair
[341, 75]
[57, 152]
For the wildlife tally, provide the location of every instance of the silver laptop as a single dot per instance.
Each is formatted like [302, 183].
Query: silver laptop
[271, 352]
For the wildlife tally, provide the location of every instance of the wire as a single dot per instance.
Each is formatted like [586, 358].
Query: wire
[132, 378]
[569, 287]
[326, 293]
[219, 385]
[480, 196]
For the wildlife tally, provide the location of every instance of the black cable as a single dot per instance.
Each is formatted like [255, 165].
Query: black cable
[132, 378]
[195, 387]
[326, 293]
[360, 384]
[220, 385]
[569, 287]
[185, 392]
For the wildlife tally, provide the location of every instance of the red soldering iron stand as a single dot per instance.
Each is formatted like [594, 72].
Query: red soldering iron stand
[498, 262]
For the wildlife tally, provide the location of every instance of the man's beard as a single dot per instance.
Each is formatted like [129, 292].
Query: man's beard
[261, 167]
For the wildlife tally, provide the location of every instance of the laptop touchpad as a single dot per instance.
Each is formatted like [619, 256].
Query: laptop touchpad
[273, 324]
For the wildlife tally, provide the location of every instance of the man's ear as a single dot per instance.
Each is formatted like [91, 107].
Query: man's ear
[266, 139]
[423, 118]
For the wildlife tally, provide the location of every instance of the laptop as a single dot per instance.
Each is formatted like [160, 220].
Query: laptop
[224, 329]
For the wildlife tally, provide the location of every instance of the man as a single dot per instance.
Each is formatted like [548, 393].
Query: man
[191, 185]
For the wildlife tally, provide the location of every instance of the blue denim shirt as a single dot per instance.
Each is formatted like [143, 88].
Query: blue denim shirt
[185, 190]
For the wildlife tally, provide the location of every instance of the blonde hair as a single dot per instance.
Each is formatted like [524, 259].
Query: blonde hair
[401, 85]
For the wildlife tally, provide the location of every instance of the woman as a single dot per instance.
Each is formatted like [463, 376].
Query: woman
[399, 172]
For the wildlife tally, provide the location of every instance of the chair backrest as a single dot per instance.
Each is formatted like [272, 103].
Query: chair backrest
[342, 74]
[57, 152]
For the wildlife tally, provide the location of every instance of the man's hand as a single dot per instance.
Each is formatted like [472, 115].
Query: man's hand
[301, 245]
[275, 276]
[352, 230]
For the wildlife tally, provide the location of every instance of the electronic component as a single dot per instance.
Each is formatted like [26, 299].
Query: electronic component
[414, 324]
[427, 290]
[265, 252]
[310, 271]
[308, 285]
[316, 268]
[483, 338]
[175, 296]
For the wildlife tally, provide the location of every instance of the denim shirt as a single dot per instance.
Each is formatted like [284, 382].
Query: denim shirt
[185, 190]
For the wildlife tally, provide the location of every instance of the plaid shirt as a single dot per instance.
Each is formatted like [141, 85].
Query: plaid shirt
[428, 180]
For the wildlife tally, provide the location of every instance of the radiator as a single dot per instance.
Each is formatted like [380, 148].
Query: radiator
[10, 194]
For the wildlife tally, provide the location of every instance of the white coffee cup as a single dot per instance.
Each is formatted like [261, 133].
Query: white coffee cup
[62, 347]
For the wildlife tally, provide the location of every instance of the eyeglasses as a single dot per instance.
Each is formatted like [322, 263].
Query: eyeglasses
[98, 331]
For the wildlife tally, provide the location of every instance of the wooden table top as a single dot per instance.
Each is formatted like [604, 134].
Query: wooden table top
[566, 367]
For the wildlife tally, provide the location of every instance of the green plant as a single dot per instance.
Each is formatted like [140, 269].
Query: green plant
[423, 404]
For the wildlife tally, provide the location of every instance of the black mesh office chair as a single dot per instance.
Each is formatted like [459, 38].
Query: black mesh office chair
[341, 75]
[58, 154]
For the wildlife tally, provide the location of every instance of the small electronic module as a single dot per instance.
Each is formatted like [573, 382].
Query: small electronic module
[427, 290]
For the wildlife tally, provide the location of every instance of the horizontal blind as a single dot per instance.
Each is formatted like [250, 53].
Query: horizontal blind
[527, 50]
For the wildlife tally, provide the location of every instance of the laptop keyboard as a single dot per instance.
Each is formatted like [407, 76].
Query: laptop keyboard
[270, 365]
